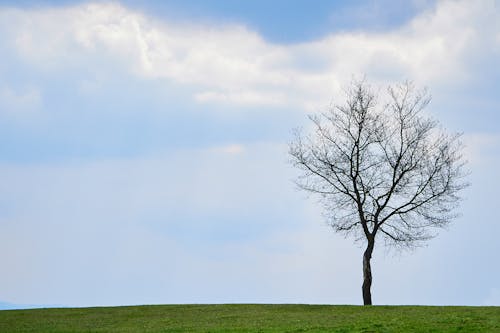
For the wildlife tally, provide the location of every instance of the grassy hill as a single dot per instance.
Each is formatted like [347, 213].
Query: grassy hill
[253, 318]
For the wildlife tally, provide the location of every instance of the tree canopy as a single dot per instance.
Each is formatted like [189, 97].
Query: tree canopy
[382, 168]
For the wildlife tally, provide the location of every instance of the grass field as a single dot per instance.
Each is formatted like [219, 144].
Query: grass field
[253, 318]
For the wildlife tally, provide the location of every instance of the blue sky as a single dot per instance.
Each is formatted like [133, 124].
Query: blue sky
[280, 20]
[144, 149]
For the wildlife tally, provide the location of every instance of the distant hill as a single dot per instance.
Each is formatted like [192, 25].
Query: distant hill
[12, 306]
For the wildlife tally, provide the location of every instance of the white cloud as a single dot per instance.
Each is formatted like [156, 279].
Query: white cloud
[493, 299]
[482, 148]
[221, 181]
[242, 98]
[192, 227]
[18, 102]
[229, 149]
[86, 232]
[231, 64]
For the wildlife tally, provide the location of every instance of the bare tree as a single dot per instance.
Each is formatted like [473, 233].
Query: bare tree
[382, 170]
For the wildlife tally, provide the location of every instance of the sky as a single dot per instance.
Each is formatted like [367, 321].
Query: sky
[143, 149]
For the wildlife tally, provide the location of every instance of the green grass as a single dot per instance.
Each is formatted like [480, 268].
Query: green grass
[253, 318]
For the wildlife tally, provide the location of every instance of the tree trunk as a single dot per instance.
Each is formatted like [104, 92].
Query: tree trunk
[367, 273]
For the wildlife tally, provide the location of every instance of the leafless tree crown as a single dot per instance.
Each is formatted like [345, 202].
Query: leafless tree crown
[381, 168]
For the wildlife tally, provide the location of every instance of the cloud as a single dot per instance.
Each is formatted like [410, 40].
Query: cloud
[229, 149]
[196, 224]
[16, 103]
[194, 227]
[493, 299]
[232, 65]
[482, 148]
[242, 98]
